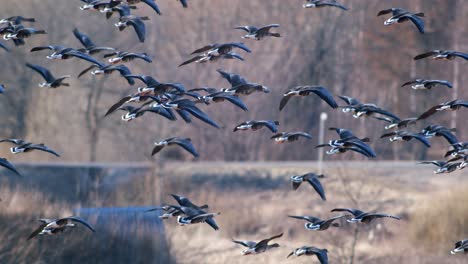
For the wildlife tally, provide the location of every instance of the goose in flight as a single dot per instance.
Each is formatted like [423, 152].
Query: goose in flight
[397, 123]
[323, 3]
[369, 110]
[193, 215]
[216, 51]
[322, 254]
[312, 179]
[89, 46]
[50, 80]
[400, 15]
[212, 58]
[348, 142]
[259, 33]
[127, 19]
[19, 33]
[460, 246]
[363, 217]
[458, 149]
[258, 124]
[219, 97]
[406, 136]
[239, 85]
[6, 164]
[55, 226]
[322, 92]
[440, 131]
[124, 56]
[16, 20]
[185, 143]
[289, 136]
[24, 146]
[156, 87]
[315, 223]
[442, 166]
[450, 106]
[258, 247]
[421, 84]
[135, 112]
[99, 68]
[442, 55]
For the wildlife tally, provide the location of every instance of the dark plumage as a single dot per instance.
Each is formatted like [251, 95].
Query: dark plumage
[323, 3]
[421, 84]
[460, 246]
[195, 215]
[442, 166]
[397, 123]
[127, 19]
[101, 68]
[442, 55]
[89, 46]
[259, 33]
[440, 131]
[50, 80]
[322, 254]
[260, 247]
[24, 146]
[406, 136]
[289, 136]
[348, 142]
[312, 179]
[450, 106]
[55, 226]
[123, 56]
[322, 92]
[6, 164]
[185, 143]
[150, 3]
[258, 124]
[400, 15]
[363, 217]
[314, 223]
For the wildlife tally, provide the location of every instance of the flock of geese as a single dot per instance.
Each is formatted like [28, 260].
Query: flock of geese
[172, 100]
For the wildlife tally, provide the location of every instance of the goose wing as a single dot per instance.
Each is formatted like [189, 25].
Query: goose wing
[44, 148]
[426, 54]
[438, 163]
[231, 98]
[139, 27]
[84, 39]
[352, 211]
[441, 82]
[417, 21]
[379, 215]
[385, 113]
[167, 113]
[153, 5]
[248, 29]
[194, 59]
[429, 112]
[76, 220]
[118, 105]
[448, 135]
[314, 181]
[311, 219]
[185, 143]
[85, 57]
[201, 115]
[296, 135]
[248, 244]
[420, 138]
[211, 222]
[50, 47]
[6, 164]
[205, 48]
[460, 54]
[349, 100]
[332, 3]
[267, 28]
[238, 45]
[37, 231]
[271, 125]
[284, 101]
[323, 93]
[264, 242]
[45, 73]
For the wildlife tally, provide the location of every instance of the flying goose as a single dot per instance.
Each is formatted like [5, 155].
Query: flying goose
[349, 100]
[258, 124]
[440, 131]
[443, 166]
[363, 217]
[135, 112]
[458, 149]
[21, 33]
[124, 56]
[6, 164]
[397, 123]
[184, 201]
[99, 5]
[156, 87]
[219, 97]
[259, 33]
[312, 179]
[421, 84]
[212, 58]
[257, 248]
[127, 19]
[460, 165]
[89, 46]
[406, 136]
[50, 80]
[185, 143]
[193, 215]
[24, 146]
[322, 92]
[99, 68]
[314, 223]
[460, 246]
[289, 136]
[450, 106]
[16, 20]
[348, 142]
[323, 3]
[322, 254]
[400, 15]
[218, 49]
[442, 55]
[55, 226]
[369, 110]
[239, 85]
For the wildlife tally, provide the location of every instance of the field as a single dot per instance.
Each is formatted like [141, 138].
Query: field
[254, 200]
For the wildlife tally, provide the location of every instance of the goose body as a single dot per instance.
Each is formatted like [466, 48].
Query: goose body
[323, 3]
[400, 15]
[55, 226]
[289, 136]
[460, 246]
[322, 254]
[363, 217]
[259, 33]
[258, 247]
[312, 179]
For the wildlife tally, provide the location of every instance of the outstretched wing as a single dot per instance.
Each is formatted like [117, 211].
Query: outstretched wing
[77, 220]
[5, 163]
[249, 29]
[84, 39]
[426, 54]
[307, 218]
[45, 73]
[355, 212]
[186, 144]
[153, 5]
[139, 27]
[37, 231]
[314, 181]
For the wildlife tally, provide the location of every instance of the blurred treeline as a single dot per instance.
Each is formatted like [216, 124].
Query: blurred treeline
[351, 53]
